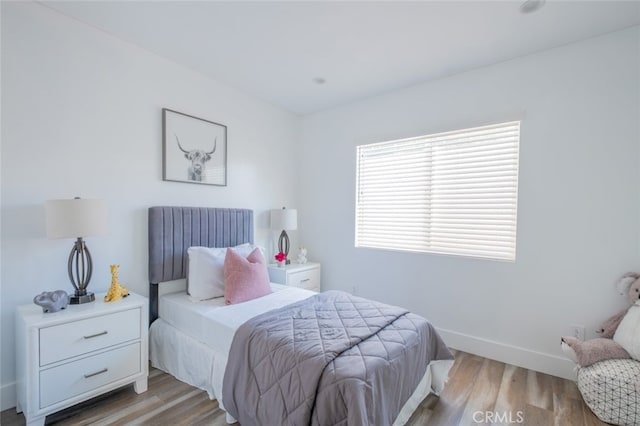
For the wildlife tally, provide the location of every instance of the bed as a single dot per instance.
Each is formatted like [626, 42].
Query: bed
[193, 341]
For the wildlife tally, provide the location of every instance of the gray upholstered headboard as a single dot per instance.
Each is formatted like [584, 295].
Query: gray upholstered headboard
[172, 230]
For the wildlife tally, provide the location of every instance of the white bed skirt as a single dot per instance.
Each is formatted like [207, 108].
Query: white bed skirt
[196, 364]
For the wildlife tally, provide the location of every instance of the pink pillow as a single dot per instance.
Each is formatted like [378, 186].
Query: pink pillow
[245, 279]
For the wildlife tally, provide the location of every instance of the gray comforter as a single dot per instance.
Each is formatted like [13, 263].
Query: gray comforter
[332, 359]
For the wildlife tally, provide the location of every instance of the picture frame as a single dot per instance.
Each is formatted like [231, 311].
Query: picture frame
[194, 150]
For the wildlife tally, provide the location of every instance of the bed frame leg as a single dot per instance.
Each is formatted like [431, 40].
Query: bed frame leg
[153, 302]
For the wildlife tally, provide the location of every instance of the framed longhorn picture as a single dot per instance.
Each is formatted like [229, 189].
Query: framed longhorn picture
[194, 149]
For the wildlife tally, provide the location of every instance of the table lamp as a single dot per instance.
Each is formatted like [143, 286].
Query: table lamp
[77, 218]
[284, 219]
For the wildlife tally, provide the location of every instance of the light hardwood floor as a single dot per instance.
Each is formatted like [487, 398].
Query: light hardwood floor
[479, 391]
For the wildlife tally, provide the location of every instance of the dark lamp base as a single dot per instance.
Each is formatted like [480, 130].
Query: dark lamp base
[85, 298]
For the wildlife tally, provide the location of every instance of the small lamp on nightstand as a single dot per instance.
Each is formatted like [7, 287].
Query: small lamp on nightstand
[286, 220]
[77, 218]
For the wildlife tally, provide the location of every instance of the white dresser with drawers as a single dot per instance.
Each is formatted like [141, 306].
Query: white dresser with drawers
[80, 352]
[306, 275]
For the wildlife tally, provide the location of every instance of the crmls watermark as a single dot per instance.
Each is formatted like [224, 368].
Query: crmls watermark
[496, 417]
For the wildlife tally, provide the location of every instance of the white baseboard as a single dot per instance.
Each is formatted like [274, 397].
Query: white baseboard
[521, 357]
[7, 396]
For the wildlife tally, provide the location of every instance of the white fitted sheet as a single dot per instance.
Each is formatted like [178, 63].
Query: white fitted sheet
[213, 323]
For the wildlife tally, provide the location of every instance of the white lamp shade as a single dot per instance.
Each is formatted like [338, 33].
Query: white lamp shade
[75, 218]
[286, 219]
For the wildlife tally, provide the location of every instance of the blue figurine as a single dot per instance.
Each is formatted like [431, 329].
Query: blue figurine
[52, 301]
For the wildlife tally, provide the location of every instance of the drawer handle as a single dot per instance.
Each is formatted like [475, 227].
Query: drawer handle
[104, 370]
[96, 335]
[305, 280]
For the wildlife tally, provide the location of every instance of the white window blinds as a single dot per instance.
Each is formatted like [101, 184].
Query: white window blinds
[451, 193]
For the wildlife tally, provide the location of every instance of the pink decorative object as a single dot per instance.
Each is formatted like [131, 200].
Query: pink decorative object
[280, 257]
[245, 279]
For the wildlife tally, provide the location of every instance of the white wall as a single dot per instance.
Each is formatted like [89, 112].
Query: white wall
[578, 210]
[81, 115]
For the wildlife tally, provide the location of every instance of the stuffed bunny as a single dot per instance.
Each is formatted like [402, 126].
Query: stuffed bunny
[608, 346]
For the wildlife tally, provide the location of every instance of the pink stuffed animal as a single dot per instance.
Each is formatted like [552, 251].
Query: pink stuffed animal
[594, 350]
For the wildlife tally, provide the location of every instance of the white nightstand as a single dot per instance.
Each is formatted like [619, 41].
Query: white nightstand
[305, 275]
[69, 356]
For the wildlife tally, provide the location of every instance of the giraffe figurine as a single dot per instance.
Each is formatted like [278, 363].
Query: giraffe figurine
[117, 291]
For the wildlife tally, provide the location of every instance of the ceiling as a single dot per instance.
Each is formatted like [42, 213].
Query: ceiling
[275, 50]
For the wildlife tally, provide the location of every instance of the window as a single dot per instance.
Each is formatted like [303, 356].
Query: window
[451, 193]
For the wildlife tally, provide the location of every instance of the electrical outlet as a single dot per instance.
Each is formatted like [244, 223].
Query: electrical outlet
[577, 331]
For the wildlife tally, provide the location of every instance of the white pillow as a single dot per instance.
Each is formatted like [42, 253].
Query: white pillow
[628, 332]
[205, 277]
